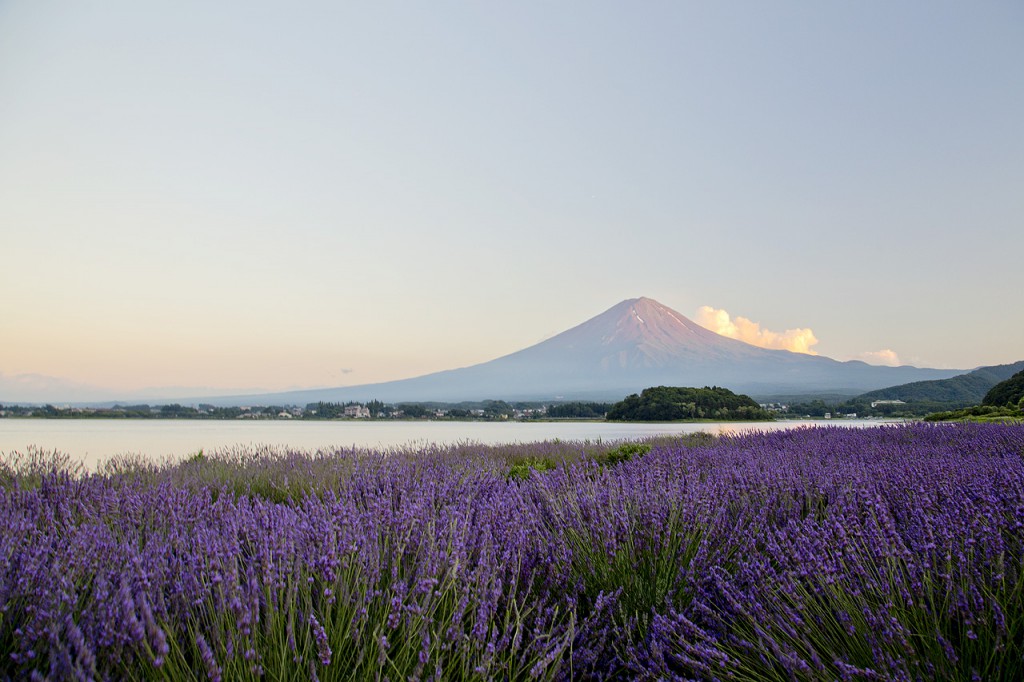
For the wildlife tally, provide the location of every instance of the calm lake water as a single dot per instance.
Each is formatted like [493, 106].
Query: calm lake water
[91, 441]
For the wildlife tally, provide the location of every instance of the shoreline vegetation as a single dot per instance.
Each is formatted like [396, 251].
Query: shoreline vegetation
[659, 404]
[1004, 402]
[894, 552]
[487, 410]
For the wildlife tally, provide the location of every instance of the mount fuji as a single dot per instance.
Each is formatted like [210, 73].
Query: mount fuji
[633, 345]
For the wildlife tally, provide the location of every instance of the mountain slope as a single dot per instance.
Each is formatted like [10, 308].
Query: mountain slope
[1009, 392]
[633, 345]
[959, 391]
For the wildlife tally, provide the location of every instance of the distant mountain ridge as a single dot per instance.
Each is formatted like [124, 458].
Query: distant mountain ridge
[959, 391]
[633, 345]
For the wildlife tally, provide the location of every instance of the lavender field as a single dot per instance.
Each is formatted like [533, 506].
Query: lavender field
[885, 553]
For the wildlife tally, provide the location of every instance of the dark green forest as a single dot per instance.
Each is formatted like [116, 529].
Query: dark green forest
[667, 403]
[578, 410]
[1009, 392]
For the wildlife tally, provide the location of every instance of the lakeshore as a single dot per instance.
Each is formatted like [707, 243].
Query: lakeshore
[91, 441]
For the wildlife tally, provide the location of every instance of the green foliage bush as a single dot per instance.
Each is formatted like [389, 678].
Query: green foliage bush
[623, 453]
[979, 413]
[521, 469]
[667, 403]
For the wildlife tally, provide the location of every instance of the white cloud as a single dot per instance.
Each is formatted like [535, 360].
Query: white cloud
[886, 357]
[719, 321]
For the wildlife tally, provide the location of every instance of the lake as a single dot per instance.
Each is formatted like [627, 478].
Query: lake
[92, 441]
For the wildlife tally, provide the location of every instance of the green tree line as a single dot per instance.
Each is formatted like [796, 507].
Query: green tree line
[667, 403]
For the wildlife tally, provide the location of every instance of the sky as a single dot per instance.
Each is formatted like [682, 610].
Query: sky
[206, 197]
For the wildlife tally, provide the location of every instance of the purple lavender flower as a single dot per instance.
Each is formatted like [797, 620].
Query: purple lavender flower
[213, 671]
[826, 553]
[323, 648]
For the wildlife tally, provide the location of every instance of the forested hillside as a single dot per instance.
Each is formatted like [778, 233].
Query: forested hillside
[959, 391]
[1009, 392]
[666, 403]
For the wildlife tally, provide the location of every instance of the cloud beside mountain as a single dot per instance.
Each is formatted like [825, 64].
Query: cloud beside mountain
[798, 340]
[886, 357]
[740, 328]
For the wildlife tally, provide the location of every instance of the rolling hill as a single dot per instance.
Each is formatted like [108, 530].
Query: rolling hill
[959, 391]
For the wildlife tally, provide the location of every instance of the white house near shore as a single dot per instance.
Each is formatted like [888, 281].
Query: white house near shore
[357, 411]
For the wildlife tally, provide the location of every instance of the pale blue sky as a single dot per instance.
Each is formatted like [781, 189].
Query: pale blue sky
[272, 195]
